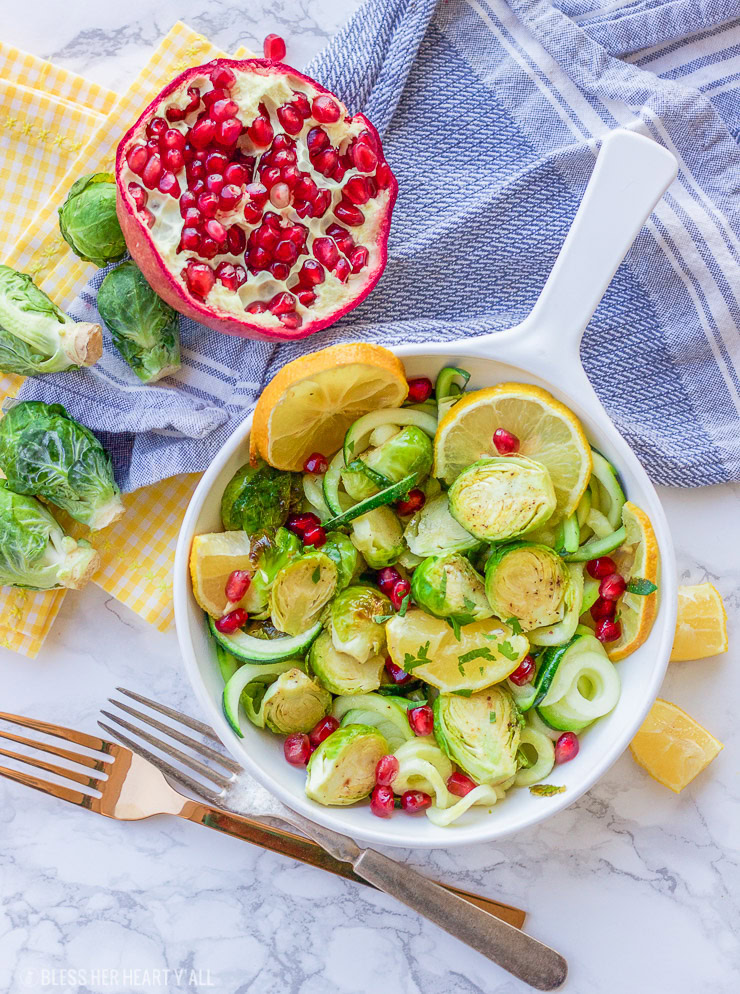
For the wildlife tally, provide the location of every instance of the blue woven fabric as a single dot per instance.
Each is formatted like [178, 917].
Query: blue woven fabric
[490, 115]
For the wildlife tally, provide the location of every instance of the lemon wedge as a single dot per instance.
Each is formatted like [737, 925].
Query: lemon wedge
[212, 559]
[701, 626]
[672, 747]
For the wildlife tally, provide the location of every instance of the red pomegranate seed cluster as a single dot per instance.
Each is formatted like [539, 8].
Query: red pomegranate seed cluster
[611, 588]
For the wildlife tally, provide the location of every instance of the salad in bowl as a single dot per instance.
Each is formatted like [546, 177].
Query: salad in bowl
[421, 592]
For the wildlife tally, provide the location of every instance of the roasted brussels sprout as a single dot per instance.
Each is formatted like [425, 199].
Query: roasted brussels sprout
[145, 330]
[88, 220]
[293, 703]
[378, 535]
[354, 628]
[36, 336]
[45, 452]
[502, 497]
[406, 451]
[34, 551]
[258, 499]
[341, 673]
[342, 769]
[344, 556]
[448, 587]
[268, 557]
[480, 733]
[433, 531]
[527, 582]
[301, 591]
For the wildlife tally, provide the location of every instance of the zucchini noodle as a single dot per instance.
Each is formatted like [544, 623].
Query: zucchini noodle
[315, 496]
[542, 767]
[483, 794]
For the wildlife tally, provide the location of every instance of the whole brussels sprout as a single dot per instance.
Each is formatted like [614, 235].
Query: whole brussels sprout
[502, 497]
[294, 703]
[269, 556]
[301, 591]
[344, 556]
[36, 336]
[407, 451]
[378, 535]
[34, 551]
[88, 220]
[43, 451]
[480, 733]
[341, 673]
[354, 629]
[258, 499]
[527, 582]
[447, 586]
[433, 531]
[145, 330]
[342, 769]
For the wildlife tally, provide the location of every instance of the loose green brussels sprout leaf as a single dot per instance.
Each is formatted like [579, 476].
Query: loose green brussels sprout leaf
[36, 336]
[433, 531]
[301, 591]
[294, 703]
[405, 452]
[340, 673]
[480, 733]
[353, 628]
[502, 497]
[344, 556]
[34, 551]
[342, 769]
[269, 556]
[527, 582]
[378, 535]
[88, 220]
[43, 451]
[449, 587]
[258, 499]
[145, 330]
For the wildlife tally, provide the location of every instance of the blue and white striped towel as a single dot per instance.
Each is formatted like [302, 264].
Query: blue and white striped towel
[491, 113]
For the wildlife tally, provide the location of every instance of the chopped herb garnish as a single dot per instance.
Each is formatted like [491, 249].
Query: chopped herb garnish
[507, 649]
[462, 693]
[483, 653]
[639, 585]
[404, 606]
[411, 662]
[514, 625]
[316, 575]
[545, 789]
[455, 626]
[380, 619]
[492, 717]
[523, 760]
[468, 604]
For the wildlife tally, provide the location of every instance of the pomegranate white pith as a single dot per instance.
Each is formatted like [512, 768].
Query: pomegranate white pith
[252, 202]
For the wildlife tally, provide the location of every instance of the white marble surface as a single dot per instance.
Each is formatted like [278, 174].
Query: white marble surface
[636, 886]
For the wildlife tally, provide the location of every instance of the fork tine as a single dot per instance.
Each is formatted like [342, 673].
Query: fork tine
[172, 772]
[226, 761]
[60, 771]
[185, 719]
[59, 732]
[75, 757]
[56, 790]
[178, 754]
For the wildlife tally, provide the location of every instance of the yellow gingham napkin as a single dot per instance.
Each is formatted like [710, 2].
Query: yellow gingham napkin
[56, 126]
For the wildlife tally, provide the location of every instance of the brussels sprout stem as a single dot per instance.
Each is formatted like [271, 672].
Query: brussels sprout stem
[80, 562]
[82, 342]
[106, 514]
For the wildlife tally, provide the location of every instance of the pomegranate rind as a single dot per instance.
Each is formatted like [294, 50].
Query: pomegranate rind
[172, 288]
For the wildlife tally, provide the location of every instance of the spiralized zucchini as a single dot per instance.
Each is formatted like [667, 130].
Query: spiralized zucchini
[423, 766]
[482, 794]
[545, 751]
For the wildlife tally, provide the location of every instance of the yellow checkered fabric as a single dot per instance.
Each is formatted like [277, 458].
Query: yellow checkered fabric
[56, 126]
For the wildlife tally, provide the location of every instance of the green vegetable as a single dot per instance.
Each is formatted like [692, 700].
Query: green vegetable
[408, 451]
[387, 496]
[546, 790]
[344, 556]
[485, 749]
[293, 703]
[246, 685]
[378, 534]
[342, 769]
[611, 494]
[389, 714]
[502, 497]
[433, 531]
[422, 765]
[640, 586]
[34, 551]
[254, 649]
[536, 757]
[88, 221]
[45, 452]
[447, 586]
[269, 556]
[596, 547]
[563, 630]
[527, 582]
[301, 591]
[258, 499]
[447, 391]
[36, 336]
[145, 330]
[353, 628]
[359, 432]
[341, 673]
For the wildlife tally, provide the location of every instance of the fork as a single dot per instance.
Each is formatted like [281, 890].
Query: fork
[128, 788]
[522, 955]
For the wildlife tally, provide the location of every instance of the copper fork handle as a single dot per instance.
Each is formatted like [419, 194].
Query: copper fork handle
[306, 851]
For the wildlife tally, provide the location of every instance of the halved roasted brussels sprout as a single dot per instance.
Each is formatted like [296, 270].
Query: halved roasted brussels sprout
[527, 582]
[449, 587]
[259, 498]
[301, 591]
[344, 556]
[502, 497]
[354, 629]
[480, 733]
[378, 534]
[294, 703]
[341, 673]
[406, 451]
[270, 555]
[433, 531]
[342, 769]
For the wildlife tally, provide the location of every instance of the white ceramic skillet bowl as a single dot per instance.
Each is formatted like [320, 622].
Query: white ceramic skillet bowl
[630, 176]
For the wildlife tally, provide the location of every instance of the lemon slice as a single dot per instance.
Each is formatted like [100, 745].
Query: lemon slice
[547, 431]
[212, 558]
[672, 747]
[636, 558]
[485, 653]
[310, 403]
[701, 627]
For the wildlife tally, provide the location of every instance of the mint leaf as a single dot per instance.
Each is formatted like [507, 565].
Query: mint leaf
[492, 717]
[455, 626]
[546, 789]
[483, 653]
[462, 693]
[316, 575]
[507, 649]
[641, 586]
[514, 625]
[404, 606]
[380, 619]
[411, 662]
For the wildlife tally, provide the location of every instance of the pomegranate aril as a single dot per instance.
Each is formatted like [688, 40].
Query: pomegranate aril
[260, 132]
[322, 730]
[256, 307]
[138, 195]
[223, 77]
[305, 188]
[286, 251]
[152, 145]
[174, 113]
[194, 170]
[194, 101]
[208, 204]
[237, 585]
[420, 389]
[326, 252]
[137, 157]
[209, 248]
[257, 193]
[211, 96]
[273, 220]
[282, 302]
[168, 184]
[270, 176]
[241, 275]
[386, 770]
[396, 674]
[267, 238]
[214, 183]
[230, 197]
[356, 189]
[192, 217]
[226, 273]
[413, 503]
[325, 162]
[364, 158]
[297, 234]
[399, 593]
[187, 200]
[237, 239]
[321, 203]
[228, 131]
[382, 801]
[280, 270]
[302, 104]
[283, 157]
[147, 217]
[156, 127]
[223, 109]
[290, 175]
[202, 132]
[199, 278]
[190, 239]
[325, 109]
[505, 442]
[297, 749]
[290, 118]
[566, 747]
[415, 800]
[387, 578]
[215, 162]
[459, 784]
[280, 195]
[601, 567]
[316, 140]
[612, 587]
[341, 236]
[608, 630]
[258, 259]
[421, 720]
[236, 173]
[152, 171]
[338, 173]
[603, 608]
[349, 213]
[299, 523]
[316, 463]
[358, 258]
[274, 48]
[172, 138]
[312, 536]
[252, 214]
[216, 231]
[174, 159]
[231, 621]
[305, 297]
[524, 672]
[311, 273]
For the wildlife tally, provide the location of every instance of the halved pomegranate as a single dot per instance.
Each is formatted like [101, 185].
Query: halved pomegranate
[253, 202]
